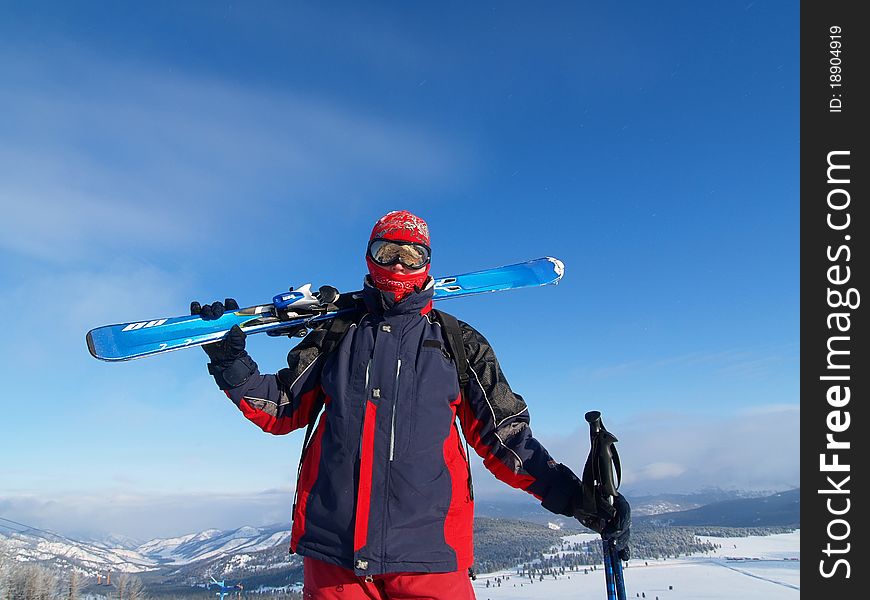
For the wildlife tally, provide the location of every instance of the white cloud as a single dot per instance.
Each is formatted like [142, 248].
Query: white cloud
[664, 452]
[147, 516]
[752, 362]
[757, 450]
[128, 155]
[659, 470]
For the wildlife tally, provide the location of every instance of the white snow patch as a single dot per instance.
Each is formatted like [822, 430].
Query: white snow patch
[756, 568]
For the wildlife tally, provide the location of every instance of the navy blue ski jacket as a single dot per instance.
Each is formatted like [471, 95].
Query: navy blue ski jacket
[384, 484]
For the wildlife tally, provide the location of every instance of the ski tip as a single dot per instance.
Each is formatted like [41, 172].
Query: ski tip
[558, 267]
[90, 340]
[97, 346]
[92, 348]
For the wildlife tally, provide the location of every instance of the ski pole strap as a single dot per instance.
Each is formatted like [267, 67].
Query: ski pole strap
[604, 454]
[617, 466]
[603, 459]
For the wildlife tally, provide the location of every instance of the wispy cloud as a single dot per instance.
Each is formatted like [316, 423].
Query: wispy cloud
[145, 516]
[744, 362]
[97, 153]
[661, 452]
[115, 290]
[659, 470]
[757, 449]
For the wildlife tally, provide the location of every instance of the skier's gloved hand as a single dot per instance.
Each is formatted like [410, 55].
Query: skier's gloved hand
[228, 349]
[619, 527]
[213, 311]
[591, 508]
[231, 365]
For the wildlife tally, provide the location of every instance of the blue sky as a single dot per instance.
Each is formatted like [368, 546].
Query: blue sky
[159, 153]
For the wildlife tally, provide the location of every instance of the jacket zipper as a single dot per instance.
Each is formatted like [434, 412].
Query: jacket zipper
[390, 464]
[363, 424]
[364, 503]
[393, 416]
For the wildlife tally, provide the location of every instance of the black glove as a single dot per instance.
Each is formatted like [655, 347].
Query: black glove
[619, 528]
[612, 521]
[591, 508]
[213, 311]
[230, 365]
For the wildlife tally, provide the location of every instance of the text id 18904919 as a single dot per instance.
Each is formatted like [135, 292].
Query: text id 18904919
[835, 68]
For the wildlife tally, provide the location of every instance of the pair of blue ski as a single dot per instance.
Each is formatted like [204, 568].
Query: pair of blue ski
[294, 312]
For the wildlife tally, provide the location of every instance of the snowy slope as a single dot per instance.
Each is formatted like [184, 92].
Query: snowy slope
[750, 568]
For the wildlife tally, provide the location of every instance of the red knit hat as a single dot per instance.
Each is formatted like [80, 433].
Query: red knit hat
[399, 226]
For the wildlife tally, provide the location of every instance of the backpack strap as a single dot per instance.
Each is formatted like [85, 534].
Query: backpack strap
[456, 348]
[455, 345]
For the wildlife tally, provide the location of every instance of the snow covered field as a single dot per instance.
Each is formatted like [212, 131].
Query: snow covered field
[750, 568]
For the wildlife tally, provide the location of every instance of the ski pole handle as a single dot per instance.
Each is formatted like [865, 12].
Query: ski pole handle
[608, 479]
[593, 417]
[602, 444]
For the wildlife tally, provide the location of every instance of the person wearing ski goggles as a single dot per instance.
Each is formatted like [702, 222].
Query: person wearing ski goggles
[385, 502]
[399, 254]
[411, 254]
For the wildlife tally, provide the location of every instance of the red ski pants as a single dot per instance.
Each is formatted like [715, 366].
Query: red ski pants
[323, 581]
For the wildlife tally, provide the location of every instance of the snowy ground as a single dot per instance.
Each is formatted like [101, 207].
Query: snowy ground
[750, 568]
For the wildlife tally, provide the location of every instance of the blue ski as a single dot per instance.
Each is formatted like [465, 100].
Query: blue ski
[293, 309]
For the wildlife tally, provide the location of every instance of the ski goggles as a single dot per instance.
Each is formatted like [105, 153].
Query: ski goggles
[387, 252]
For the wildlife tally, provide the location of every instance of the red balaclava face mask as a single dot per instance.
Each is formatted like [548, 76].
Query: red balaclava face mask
[399, 226]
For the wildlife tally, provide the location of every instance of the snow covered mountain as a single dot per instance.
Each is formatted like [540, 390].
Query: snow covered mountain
[87, 557]
[526, 509]
[122, 555]
[213, 543]
[781, 509]
[259, 556]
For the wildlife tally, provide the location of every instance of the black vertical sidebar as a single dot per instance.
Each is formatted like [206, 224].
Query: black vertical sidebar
[835, 372]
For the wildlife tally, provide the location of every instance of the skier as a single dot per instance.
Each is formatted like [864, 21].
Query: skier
[384, 505]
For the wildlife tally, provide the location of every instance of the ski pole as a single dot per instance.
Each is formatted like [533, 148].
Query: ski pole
[599, 472]
[609, 580]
